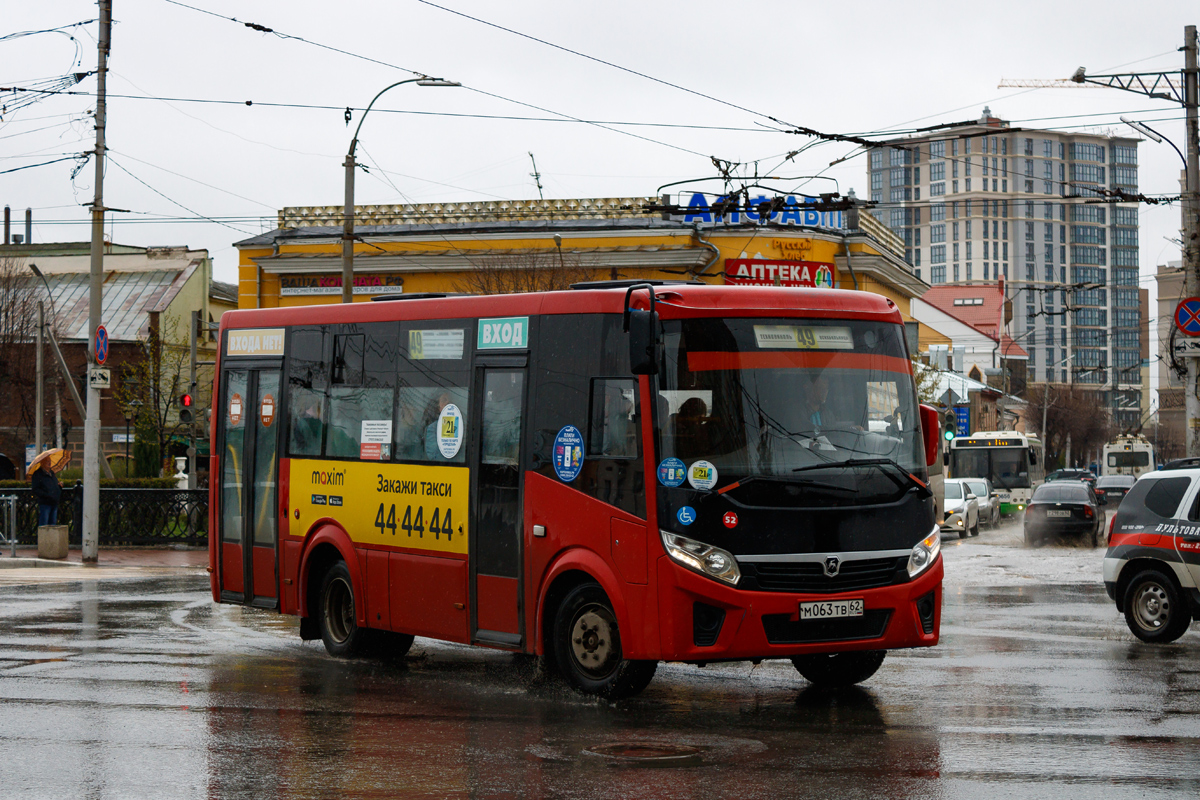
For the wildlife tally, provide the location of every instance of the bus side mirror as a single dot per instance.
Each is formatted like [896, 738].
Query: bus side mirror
[642, 342]
[931, 431]
[642, 327]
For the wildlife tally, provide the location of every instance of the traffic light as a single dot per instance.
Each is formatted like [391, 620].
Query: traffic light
[185, 407]
[950, 422]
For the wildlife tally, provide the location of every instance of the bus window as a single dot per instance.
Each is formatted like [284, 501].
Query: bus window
[236, 403]
[433, 373]
[502, 417]
[364, 366]
[308, 378]
[417, 412]
[614, 418]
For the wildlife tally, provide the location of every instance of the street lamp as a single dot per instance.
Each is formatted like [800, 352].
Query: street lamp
[348, 221]
[1154, 135]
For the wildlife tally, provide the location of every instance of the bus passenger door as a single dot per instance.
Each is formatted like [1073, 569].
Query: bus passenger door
[249, 486]
[496, 517]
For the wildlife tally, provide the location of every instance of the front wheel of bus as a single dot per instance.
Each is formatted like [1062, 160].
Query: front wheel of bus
[339, 628]
[835, 670]
[587, 647]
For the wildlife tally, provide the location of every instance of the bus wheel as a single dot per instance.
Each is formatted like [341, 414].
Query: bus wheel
[587, 647]
[339, 630]
[835, 670]
[1155, 609]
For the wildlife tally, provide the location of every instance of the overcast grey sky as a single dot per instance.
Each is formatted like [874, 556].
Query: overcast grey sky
[837, 67]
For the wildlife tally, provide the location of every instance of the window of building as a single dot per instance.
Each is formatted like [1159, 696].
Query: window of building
[876, 159]
[956, 273]
[937, 150]
[937, 189]
[937, 274]
[1124, 176]
[1047, 148]
[1083, 151]
[1081, 254]
[937, 172]
[1124, 154]
[1029, 186]
[937, 212]
[1029, 147]
[937, 233]
[937, 254]
[1089, 173]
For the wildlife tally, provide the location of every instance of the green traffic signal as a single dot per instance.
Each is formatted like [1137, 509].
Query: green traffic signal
[949, 435]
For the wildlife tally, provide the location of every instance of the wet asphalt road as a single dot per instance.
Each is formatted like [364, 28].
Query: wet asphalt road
[133, 687]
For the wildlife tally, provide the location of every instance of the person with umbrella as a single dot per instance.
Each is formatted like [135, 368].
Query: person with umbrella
[46, 488]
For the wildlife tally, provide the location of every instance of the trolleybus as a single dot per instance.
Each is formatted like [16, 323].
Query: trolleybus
[1128, 455]
[1014, 463]
[607, 477]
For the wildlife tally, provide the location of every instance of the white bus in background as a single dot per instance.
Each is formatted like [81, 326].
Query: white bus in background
[1128, 455]
[1012, 461]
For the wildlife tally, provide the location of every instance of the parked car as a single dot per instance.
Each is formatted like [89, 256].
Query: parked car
[1072, 475]
[1064, 508]
[1113, 488]
[989, 500]
[1151, 569]
[962, 509]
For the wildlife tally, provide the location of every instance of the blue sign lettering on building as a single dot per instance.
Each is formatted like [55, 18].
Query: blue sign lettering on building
[794, 212]
[962, 416]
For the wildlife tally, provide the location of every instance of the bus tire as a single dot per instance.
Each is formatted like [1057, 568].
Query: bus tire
[1155, 609]
[587, 647]
[836, 670]
[336, 614]
[389, 644]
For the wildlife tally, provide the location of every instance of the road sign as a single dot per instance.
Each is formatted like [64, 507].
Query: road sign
[1184, 348]
[101, 344]
[100, 378]
[1187, 316]
[962, 419]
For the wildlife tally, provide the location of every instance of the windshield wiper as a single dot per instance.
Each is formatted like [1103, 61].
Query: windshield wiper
[909, 478]
[785, 479]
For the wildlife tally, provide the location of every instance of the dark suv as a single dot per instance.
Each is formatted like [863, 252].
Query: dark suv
[1152, 566]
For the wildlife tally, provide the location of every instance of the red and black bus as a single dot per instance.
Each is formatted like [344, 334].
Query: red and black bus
[607, 477]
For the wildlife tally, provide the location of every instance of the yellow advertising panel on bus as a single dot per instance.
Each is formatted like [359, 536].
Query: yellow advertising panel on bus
[400, 505]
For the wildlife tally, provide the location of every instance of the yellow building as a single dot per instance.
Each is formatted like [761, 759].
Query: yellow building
[465, 247]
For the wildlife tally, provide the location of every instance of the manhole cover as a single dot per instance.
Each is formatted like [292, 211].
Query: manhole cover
[648, 753]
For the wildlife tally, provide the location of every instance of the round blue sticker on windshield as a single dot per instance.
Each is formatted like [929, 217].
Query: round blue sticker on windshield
[686, 515]
[568, 453]
[671, 472]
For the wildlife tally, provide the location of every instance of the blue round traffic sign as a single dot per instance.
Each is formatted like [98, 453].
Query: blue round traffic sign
[101, 344]
[1187, 316]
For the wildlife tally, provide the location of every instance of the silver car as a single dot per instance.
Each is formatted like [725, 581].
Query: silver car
[962, 509]
[989, 501]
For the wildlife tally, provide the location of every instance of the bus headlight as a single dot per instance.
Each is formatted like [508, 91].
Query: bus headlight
[924, 553]
[703, 558]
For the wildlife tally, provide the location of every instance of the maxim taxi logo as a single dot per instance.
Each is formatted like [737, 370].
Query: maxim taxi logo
[329, 477]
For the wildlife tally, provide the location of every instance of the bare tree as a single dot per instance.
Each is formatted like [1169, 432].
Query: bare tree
[18, 330]
[1068, 411]
[153, 384]
[530, 271]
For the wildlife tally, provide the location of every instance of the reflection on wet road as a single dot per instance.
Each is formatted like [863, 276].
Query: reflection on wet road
[145, 688]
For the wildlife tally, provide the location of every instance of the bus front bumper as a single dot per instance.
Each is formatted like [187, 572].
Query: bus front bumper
[704, 620]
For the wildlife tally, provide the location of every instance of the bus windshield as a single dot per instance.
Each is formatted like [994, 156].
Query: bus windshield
[1129, 459]
[776, 397]
[1006, 467]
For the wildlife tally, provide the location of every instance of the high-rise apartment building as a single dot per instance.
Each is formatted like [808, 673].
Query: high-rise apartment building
[978, 201]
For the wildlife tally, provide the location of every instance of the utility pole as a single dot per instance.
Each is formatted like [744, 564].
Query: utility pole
[91, 426]
[1191, 230]
[40, 400]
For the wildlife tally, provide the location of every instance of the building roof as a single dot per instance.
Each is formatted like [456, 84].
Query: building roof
[223, 292]
[129, 298]
[977, 305]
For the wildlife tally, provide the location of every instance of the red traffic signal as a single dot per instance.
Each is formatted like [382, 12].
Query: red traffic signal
[185, 400]
[185, 408]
